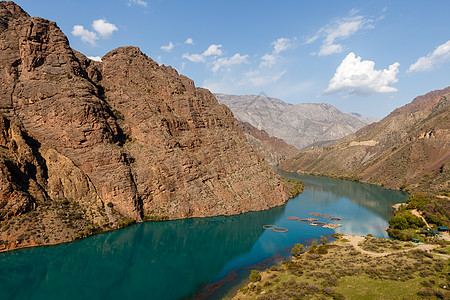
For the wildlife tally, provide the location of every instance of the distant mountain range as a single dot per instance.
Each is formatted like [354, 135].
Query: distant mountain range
[301, 124]
[409, 149]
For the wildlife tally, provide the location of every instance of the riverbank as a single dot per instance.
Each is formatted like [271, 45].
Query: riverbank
[55, 223]
[355, 267]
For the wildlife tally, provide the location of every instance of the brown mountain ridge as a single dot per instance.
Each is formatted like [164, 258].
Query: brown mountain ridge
[88, 146]
[409, 149]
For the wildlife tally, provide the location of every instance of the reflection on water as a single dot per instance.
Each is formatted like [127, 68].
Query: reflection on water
[372, 197]
[170, 260]
[166, 260]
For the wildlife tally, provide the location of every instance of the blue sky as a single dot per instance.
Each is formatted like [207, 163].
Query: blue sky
[360, 56]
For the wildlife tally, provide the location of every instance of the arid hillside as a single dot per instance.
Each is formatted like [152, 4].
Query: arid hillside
[409, 149]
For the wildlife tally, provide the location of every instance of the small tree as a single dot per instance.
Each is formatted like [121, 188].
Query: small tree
[298, 249]
[313, 247]
[324, 240]
[398, 222]
[255, 276]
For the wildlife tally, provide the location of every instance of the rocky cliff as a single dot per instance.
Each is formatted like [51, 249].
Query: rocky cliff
[272, 149]
[300, 125]
[88, 146]
[409, 149]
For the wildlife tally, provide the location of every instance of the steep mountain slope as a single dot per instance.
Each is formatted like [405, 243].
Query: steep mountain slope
[300, 125]
[88, 146]
[410, 148]
[273, 150]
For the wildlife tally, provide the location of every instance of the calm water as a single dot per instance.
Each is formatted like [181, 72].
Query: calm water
[176, 259]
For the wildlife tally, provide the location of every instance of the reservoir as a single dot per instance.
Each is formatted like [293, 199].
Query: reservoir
[203, 257]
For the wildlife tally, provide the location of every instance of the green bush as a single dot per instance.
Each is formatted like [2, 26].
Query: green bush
[255, 276]
[400, 235]
[322, 249]
[405, 220]
[125, 223]
[398, 222]
[297, 250]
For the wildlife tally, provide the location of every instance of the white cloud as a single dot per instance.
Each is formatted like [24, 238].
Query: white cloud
[337, 30]
[138, 2]
[258, 79]
[282, 44]
[268, 60]
[213, 50]
[236, 59]
[167, 48]
[189, 41]
[426, 63]
[360, 77]
[85, 35]
[194, 57]
[279, 45]
[96, 58]
[327, 49]
[104, 28]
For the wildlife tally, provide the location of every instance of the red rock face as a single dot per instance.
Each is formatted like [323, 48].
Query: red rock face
[125, 132]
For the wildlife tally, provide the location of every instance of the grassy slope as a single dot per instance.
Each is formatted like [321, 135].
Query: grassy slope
[344, 273]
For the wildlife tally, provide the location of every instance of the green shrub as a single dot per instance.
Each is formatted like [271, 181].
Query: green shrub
[322, 249]
[255, 276]
[110, 205]
[398, 222]
[400, 235]
[273, 268]
[297, 250]
[337, 235]
[125, 223]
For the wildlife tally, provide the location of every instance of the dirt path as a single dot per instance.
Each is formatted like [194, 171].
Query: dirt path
[355, 239]
[418, 214]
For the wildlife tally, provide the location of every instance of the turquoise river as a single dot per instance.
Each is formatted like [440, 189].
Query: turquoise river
[192, 258]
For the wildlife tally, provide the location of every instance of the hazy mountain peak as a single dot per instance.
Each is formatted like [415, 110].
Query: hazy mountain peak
[301, 124]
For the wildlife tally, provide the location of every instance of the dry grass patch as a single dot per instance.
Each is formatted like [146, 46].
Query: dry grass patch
[380, 245]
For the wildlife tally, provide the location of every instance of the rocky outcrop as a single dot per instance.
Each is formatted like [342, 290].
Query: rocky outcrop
[89, 146]
[273, 150]
[301, 125]
[409, 149]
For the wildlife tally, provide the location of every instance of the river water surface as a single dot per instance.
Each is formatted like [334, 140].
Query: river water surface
[206, 257]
